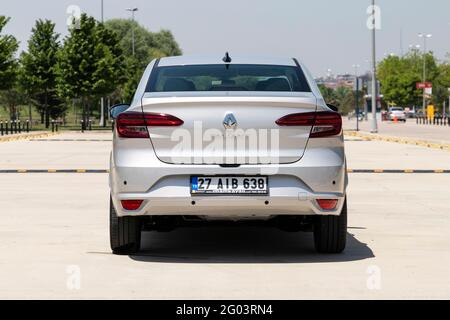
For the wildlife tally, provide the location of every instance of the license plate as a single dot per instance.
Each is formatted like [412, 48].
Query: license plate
[229, 185]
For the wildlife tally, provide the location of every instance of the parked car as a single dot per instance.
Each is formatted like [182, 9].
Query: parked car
[410, 113]
[237, 138]
[397, 113]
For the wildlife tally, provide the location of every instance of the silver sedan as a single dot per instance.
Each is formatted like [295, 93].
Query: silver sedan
[232, 138]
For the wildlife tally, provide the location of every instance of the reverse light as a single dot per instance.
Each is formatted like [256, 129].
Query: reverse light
[324, 124]
[327, 204]
[131, 205]
[134, 124]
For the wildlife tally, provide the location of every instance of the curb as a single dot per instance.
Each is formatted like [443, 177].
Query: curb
[422, 143]
[72, 140]
[27, 136]
[54, 171]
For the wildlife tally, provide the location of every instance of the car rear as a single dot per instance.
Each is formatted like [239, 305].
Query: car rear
[397, 114]
[246, 140]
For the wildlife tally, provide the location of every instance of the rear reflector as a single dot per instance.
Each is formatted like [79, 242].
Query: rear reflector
[324, 124]
[131, 204]
[134, 124]
[327, 204]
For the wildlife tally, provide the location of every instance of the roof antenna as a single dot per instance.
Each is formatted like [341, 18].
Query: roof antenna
[227, 58]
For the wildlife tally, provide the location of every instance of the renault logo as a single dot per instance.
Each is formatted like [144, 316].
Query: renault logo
[230, 121]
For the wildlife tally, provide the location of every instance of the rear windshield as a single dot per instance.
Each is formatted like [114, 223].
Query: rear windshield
[233, 77]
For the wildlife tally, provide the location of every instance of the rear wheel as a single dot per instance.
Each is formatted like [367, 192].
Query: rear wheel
[330, 232]
[124, 232]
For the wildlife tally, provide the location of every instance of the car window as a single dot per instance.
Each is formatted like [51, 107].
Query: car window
[232, 77]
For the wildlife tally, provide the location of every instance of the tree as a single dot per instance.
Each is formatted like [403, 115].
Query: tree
[345, 99]
[39, 70]
[110, 66]
[148, 46]
[441, 85]
[8, 62]
[12, 99]
[328, 94]
[8, 69]
[399, 75]
[90, 63]
[342, 97]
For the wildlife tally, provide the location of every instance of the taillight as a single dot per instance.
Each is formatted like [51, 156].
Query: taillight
[297, 120]
[327, 204]
[134, 124]
[324, 124]
[131, 205]
[131, 125]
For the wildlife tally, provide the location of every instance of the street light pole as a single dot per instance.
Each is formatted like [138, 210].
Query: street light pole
[132, 10]
[374, 128]
[356, 66]
[424, 76]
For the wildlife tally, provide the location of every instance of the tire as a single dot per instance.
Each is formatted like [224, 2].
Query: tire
[124, 232]
[330, 232]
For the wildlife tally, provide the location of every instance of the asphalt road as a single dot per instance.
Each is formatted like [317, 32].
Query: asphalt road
[54, 235]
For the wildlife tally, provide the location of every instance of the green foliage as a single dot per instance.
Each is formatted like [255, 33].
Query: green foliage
[328, 94]
[94, 61]
[38, 76]
[148, 46]
[12, 98]
[11, 94]
[110, 66]
[441, 85]
[399, 75]
[90, 63]
[343, 98]
[8, 62]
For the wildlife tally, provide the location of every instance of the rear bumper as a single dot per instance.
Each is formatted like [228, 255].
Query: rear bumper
[288, 199]
[293, 188]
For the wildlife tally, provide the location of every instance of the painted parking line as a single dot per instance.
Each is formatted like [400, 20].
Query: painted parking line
[379, 171]
[407, 171]
[54, 171]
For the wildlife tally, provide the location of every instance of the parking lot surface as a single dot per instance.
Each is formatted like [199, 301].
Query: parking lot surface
[54, 235]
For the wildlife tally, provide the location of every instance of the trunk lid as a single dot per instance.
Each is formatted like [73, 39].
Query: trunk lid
[229, 128]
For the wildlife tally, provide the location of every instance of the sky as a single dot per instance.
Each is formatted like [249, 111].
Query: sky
[324, 34]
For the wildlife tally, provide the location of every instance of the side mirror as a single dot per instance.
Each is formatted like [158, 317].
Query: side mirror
[332, 107]
[117, 109]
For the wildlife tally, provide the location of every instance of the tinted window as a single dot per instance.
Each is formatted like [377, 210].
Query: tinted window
[233, 77]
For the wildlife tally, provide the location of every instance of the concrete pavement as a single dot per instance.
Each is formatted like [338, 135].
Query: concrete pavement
[409, 129]
[54, 236]
[72, 151]
[52, 153]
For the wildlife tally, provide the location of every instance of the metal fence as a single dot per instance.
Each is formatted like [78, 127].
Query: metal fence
[438, 121]
[14, 127]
